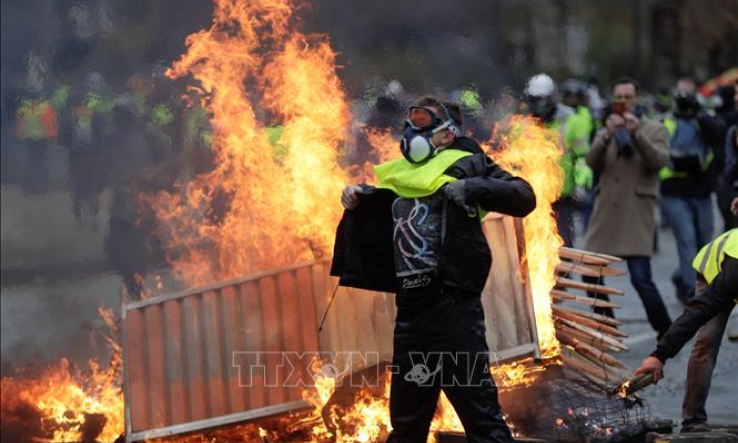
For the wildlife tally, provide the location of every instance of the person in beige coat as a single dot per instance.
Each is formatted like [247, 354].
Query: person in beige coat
[627, 155]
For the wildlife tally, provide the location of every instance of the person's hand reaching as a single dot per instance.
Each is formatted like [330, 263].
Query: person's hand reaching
[652, 365]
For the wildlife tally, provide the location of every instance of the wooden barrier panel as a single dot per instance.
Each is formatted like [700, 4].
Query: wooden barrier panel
[241, 349]
[507, 302]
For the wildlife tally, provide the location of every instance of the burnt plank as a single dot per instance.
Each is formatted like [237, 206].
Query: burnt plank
[232, 342]
[253, 327]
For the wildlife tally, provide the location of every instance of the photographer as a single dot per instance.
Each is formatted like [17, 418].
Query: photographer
[627, 155]
[696, 158]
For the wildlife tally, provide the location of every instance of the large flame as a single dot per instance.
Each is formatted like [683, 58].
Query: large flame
[532, 151]
[265, 204]
[66, 405]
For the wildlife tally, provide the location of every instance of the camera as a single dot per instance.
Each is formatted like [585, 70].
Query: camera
[618, 108]
[686, 105]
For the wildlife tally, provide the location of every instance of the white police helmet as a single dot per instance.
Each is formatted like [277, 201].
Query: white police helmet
[541, 85]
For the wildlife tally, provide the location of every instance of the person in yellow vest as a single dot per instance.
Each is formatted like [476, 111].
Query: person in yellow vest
[37, 127]
[696, 158]
[418, 234]
[707, 316]
[541, 99]
[474, 113]
[579, 131]
[197, 140]
[89, 125]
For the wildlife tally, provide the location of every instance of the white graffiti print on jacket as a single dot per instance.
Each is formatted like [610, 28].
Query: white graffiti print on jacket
[416, 234]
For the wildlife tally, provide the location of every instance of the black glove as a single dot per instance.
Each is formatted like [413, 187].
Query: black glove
[455, 191]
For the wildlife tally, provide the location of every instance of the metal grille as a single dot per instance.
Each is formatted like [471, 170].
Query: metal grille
[563, 410]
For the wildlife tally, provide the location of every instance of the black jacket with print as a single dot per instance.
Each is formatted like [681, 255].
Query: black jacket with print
[363, 256]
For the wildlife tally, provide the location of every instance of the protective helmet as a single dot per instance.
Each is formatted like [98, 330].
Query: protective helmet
[394, 89]
[541, 85]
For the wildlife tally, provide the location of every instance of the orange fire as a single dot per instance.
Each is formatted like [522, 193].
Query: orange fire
[532, 152]
[70, 405]
[445, 419]
[523, 372]
[266, 203]
[386, 147]
[367, 419]
[624, 389]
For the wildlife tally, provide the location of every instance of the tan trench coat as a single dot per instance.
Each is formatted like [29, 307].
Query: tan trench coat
[623, 218]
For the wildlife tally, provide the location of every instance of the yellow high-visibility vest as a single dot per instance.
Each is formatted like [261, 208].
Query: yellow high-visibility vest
[710, 258]
[415, 181]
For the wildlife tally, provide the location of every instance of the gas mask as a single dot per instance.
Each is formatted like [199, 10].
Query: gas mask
[421, 125]
[540, 107]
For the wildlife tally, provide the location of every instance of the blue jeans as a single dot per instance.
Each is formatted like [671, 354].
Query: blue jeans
[691, 221]
[701, 365]
[639, 269]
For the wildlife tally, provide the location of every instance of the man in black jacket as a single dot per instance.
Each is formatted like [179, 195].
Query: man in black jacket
[418, 234]
[708, 313]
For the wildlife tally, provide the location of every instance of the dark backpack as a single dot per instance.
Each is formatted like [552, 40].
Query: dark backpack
[687, 150]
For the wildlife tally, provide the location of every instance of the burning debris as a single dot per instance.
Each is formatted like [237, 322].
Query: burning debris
[632, 386]
[65, 404]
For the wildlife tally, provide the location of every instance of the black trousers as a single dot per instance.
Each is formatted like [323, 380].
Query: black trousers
[441, 345]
